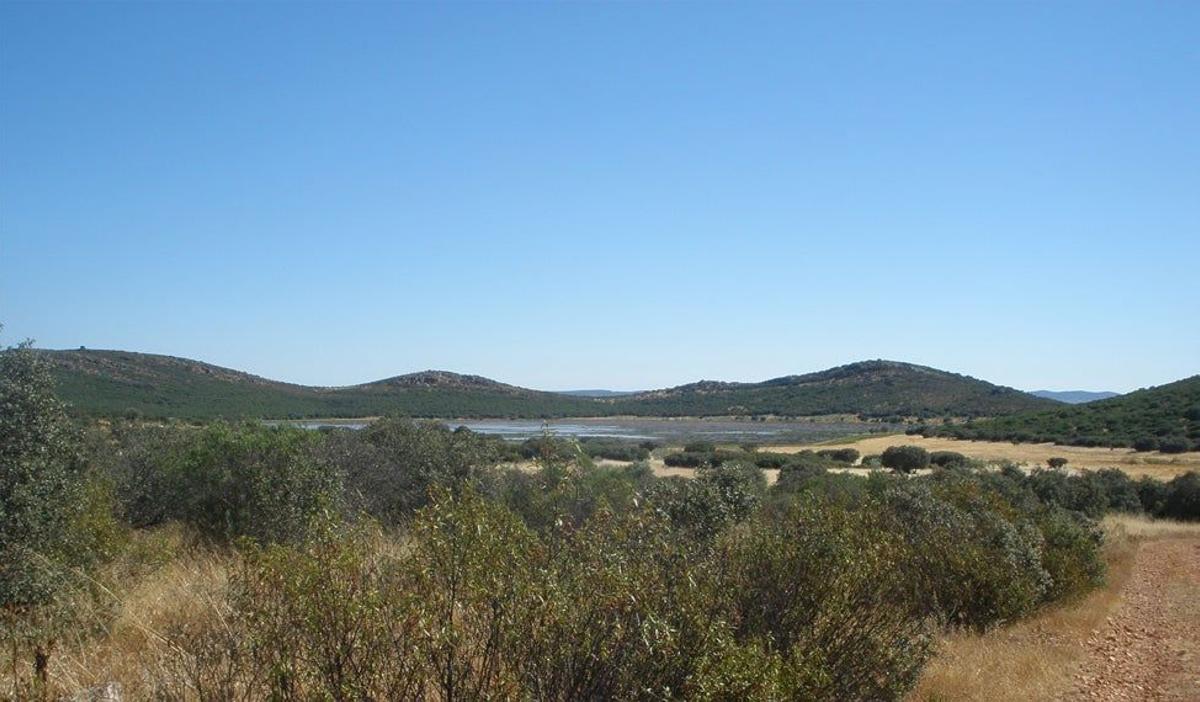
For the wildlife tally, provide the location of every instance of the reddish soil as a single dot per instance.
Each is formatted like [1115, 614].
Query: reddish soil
[1149, 649]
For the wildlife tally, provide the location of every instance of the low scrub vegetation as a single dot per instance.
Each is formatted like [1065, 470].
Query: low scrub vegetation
[407, 561]
[1164, 418]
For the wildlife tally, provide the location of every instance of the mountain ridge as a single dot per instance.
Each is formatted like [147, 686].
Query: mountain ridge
[116, 382]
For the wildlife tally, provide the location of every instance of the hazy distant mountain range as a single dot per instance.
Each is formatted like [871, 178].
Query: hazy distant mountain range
[1074, 397]
[122, 382]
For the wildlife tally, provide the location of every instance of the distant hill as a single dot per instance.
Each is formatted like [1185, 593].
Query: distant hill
[122, 382]
[598, 393]
[118, 382]
[1074, 397]
[868, 388]
[1166, 417]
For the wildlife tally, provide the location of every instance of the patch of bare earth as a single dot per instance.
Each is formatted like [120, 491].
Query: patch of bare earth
[1149, 648]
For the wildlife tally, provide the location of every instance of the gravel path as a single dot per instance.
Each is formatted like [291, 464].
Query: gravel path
[1149, 649]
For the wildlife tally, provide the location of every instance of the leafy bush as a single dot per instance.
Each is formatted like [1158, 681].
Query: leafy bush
[802, 468]
[614, 449]
[55, 517]
[1183, 497]
[1119, 489]
[1074, 493]
[405, 460]
[947, 459]
[1070, 553]
[816, 585]
[1152, 494]
[967, 564]
[845, 455]
[905, 459]
[766, 459]
[1145, 443]
[255, 481]
[1174, 444]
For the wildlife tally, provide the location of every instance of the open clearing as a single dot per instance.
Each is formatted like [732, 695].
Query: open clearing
[1138, 638]
[1152, 463]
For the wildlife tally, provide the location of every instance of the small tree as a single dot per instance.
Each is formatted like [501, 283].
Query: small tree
[905, 459]
[41, 491]
[1056, 462]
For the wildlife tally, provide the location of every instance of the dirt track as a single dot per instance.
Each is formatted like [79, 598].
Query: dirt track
[1149, 648]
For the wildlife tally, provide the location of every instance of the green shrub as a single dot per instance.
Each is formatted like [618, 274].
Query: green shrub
[770, 460]
[802, 468]
[335, 619]
[1183, 497]
[391, 466]
[1119, 489]
[1145, 443]
[905, 459]
[1174, 444]
[1152, 494]
[148, 473]
[620, 614]
[1071, 553]
[1070, 492]
[845, 455]
[687, 459]
[56, 517]
[966, 564]
[256, 481]
[703, 509]
[818, 587]
[947, 459]
[614, 449]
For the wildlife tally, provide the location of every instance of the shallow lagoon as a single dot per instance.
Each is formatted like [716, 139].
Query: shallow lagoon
[648, 429]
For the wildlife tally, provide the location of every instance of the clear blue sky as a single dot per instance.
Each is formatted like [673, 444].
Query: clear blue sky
[617, 195]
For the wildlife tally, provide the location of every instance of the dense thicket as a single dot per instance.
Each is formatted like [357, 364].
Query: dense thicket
[1164, 418]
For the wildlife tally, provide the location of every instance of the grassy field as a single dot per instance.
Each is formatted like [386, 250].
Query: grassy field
[1152, 463]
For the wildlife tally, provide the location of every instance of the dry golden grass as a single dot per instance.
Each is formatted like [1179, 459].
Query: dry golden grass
[1153, 463]
[1036, 659]
[161, 583]
[1033, 659]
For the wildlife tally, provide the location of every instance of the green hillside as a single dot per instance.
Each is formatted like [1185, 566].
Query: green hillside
[1164, 418]
[867, 388]
[120, 382]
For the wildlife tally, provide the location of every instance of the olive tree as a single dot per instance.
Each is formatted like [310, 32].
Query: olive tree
[41, 495]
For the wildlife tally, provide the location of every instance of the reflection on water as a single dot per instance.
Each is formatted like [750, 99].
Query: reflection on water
[646, 429]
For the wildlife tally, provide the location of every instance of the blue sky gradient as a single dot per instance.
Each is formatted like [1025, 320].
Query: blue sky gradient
[617, 195]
